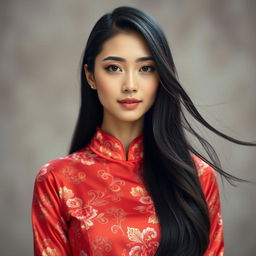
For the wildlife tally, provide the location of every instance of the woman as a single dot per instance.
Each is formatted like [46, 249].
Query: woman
[132, 184]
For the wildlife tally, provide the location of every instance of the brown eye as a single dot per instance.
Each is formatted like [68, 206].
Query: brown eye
[148, 69]
[112, 68]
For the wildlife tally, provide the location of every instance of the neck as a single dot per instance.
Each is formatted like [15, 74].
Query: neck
[123, 131]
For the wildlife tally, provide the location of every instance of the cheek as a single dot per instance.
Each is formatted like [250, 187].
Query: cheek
[151, 90]
[105, 88]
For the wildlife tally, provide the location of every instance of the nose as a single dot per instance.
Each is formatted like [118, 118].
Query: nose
[130, 82]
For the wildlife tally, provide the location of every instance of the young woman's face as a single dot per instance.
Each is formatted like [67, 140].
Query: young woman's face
[125, 69]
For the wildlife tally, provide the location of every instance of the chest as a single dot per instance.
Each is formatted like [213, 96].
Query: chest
[111, 214]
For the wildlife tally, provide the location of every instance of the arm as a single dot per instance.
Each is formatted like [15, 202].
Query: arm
[210, 187]
[49, 226]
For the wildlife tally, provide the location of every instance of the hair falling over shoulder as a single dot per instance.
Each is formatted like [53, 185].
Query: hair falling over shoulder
[169, 174]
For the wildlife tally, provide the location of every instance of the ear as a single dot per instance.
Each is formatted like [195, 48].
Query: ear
[89, 77]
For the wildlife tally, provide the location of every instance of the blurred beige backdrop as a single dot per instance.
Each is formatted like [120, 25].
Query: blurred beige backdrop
[213, 45]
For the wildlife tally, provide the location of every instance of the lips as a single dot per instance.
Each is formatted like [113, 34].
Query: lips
[129, 100]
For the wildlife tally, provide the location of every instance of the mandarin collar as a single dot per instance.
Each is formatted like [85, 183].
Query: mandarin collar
[109, 146]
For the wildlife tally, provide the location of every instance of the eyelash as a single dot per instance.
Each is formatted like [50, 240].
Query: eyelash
[111, 66]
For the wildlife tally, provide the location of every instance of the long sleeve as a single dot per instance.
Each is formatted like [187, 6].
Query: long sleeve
[93, 202]
[49, 226]
[211, 190]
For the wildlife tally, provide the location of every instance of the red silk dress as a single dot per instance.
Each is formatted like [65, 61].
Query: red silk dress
[93, 203]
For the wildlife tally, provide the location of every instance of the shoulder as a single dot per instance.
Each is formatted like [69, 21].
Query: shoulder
[203, 168]
[71, 168]
[207, 175]
[208, 178]
[50, 170]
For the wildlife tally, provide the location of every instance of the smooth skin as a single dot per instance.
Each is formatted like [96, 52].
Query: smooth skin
[132, 73]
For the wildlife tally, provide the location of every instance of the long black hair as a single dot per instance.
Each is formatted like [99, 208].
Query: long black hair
[170, 174]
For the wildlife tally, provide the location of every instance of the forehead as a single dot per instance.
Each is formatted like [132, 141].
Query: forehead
[123, 44]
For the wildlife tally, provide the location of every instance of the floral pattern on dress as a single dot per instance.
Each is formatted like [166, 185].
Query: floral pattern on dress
[46, 246]
[60, 230]
[86, 157]
[136, 151]
[43, 171]
[144, 243]
[77, 209]
[144, 198]
[111, 147]
[65, 193]
[201, 166]
[118, 215]
[86, 214]
[100, 245]
[49, 252]
[41, 203]
[112, 192]
[73, 175]
[114, 184]
[94, 202]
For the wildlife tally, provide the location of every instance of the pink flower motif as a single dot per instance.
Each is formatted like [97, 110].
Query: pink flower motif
[73, 175]
[146, 200]
[86, 212]
[151, 209]
[117, 213]
[74, 202]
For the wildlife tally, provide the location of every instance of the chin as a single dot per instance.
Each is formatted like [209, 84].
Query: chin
[131, 118]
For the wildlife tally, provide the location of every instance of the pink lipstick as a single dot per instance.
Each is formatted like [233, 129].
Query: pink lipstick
[129, 103]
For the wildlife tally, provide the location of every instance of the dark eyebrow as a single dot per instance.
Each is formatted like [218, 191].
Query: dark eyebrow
[123, 60]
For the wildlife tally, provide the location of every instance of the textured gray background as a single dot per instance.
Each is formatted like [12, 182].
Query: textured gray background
[213, 44]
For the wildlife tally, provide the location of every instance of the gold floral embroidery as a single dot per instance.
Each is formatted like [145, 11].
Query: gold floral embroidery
[73, 175]
[100, 245]
[59, 228]
[97, 198]
[65, 193]
[42, 202]
[77, 209]
[86, 156]
[143, 242]
[118, 215]
[40, 176]
[115, 183]
[111, 147]
[45, 246]
[138, 191]
[86, 214]
[144, 198]
[108, 147]
[136, 150]
[201, 166]
[106, 198]
[49, 252]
